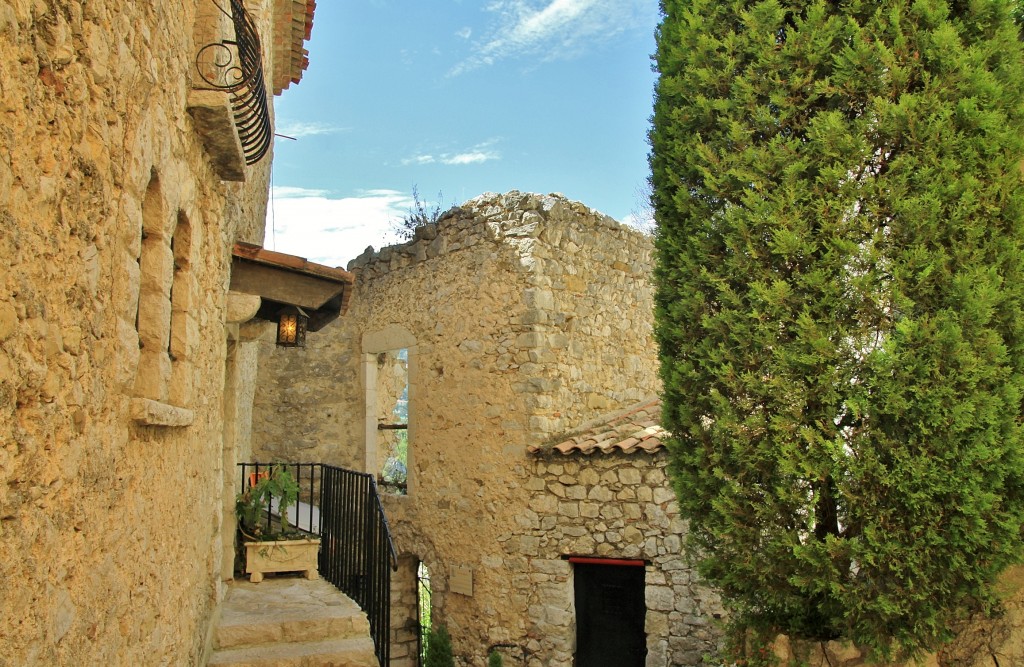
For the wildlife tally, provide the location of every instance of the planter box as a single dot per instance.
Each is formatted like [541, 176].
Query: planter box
[281, 556]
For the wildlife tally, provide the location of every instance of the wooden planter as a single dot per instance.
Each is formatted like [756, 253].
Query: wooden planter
[281, 556]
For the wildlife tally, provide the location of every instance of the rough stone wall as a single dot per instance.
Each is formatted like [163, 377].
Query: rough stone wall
[615, 506]
[404, 622]
[523, 315]
[307, 403]
[539, 292]
[109, 528]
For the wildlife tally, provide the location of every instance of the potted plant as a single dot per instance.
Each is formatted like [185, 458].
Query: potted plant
[266, 549]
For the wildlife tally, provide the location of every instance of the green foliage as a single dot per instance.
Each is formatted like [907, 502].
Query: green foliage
[251, 504]
[494, 659]
[439, 649]
[839, 307]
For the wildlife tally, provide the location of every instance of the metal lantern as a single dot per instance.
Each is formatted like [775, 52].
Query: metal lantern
[291, 327]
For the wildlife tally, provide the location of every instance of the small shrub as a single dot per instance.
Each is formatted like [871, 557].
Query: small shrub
[494, 659]
[419, 215]
[439, 649]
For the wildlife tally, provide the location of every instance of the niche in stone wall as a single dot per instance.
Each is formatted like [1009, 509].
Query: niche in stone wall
[183, 333]
[163, 320]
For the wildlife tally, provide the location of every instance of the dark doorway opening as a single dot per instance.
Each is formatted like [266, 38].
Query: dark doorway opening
[610, 613]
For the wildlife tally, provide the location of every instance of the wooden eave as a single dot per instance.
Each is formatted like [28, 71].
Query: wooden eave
[282, 280]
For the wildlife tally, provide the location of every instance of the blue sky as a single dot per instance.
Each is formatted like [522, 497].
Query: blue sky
[459, 97]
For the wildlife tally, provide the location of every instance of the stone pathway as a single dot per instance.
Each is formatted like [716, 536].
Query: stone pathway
[291, 622]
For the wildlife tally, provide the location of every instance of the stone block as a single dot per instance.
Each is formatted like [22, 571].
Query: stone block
[544, 505]
[557, 488]
[214, 123]
[576, 492]
[629, 476]
[569, 510]
[659, 598]
[155, 413]
[154, 376]
[534, 484]
[664, 495]
[531, 339]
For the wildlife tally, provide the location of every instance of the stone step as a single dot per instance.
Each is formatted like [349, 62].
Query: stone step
[287, 610]
[352, 652]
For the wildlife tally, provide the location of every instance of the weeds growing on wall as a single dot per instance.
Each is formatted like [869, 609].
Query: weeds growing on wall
[420, 214]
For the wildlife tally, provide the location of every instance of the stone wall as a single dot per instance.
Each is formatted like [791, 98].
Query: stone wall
[523, 315]
[617, 506]
[538, 294]
[110, 471]
[306, 407]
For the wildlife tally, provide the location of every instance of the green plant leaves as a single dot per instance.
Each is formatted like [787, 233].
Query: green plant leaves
[839, 301]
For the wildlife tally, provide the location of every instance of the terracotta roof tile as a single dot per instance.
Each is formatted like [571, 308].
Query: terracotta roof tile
[635, 429]
[293, 26]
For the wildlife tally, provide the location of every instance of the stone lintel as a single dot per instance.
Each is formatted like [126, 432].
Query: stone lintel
[215, 124]
[154, 413]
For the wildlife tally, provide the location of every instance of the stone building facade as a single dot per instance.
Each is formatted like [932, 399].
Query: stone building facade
[521, 318]
[604, 491]
[122, 374]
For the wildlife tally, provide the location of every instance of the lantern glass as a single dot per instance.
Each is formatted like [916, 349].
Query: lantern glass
[291, 328]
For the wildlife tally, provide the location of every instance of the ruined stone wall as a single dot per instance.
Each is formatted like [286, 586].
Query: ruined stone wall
[615, 506]
[574, 341]
[109, 523]
[523, 315]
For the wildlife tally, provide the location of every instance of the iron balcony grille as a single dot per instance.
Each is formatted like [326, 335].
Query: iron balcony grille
[236, 67]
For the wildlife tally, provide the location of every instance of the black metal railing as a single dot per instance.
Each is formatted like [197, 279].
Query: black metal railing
[236, 67]
[357, 553]
[306, 515]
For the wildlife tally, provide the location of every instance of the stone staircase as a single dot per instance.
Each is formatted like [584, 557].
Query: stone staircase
[291, 622]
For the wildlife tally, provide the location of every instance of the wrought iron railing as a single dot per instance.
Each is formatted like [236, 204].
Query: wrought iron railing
[236, 67]
[306, 515]
[357, 554]
[356, 551]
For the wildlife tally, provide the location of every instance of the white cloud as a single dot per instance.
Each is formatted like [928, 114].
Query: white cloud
[332, 230]
[300, 129]
[288, 191]
[641, 223]
[482, 152]
[418, 159]
[472, 157]
[552, 29]
[464, 33]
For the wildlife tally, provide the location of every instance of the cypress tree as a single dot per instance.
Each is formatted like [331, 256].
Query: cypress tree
[838, 307]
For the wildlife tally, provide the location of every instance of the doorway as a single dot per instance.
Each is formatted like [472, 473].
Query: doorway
[610, 613]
